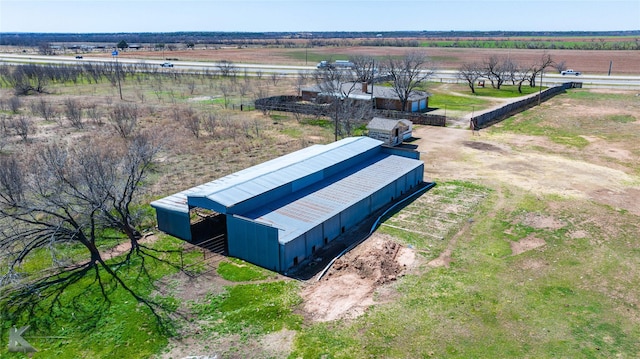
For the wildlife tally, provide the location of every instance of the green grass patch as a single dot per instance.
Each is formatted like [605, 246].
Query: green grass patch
[237, 270]
[621, 118]
[505, 91]
[528, 123]
[251, 309]
[324, 123]
[457, 103]
[277, 117]
[292, 132]
[87, 326]
[547, 303]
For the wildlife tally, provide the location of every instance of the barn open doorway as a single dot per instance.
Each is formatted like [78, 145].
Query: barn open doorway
[209, 230]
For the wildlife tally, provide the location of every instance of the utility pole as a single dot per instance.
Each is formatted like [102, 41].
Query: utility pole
[336, 124]
[115, 55]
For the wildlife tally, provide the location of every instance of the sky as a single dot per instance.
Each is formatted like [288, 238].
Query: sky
[100, 16]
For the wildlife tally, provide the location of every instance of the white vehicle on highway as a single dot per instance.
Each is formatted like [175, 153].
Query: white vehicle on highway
[570, 72]
[167, 64]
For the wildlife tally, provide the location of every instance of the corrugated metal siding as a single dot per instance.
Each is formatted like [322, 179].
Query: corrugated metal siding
[292, 250]
[314, 238]
[254, 242]
[176, 224]
[331, 227]
[382, 197]
[354, 214]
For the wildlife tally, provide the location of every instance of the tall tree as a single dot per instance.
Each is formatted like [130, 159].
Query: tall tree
[407, 74]
[364, 66]
[335, 86]
[496, 71]
[67, 196]
[470, 72]
[122, 45]
[539, 66]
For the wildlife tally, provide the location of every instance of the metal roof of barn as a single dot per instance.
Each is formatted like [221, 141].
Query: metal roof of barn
[240, 186]
[304, 210]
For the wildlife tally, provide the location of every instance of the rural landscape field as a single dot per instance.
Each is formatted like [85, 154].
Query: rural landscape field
[527, 247]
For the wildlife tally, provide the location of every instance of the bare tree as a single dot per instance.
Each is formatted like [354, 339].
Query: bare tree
[3, 139]
[124, 119]
[521, 76]
[191, 85]
[210, 124]
[68, 196]
[227, 89]
[243, 89]
[14, 104]
[496, 71]
[30, 78]
[5, 124]
[44, 109]
[275, 78]
[260, 92]
[191, 121]
[561, 66]
[364, 66]
[538, 67]
[470, 72]
[301, 81]
[354, 112]
[73, 110]
[336, 85]
[227, 68]
[23, 126]
[407, 74]
[94, 113]
[511, 69]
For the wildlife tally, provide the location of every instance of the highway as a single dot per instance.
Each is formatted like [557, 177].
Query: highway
[449, 76]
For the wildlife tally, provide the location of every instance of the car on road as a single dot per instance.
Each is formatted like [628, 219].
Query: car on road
[78, 56]
[570, 72]
[167, 64]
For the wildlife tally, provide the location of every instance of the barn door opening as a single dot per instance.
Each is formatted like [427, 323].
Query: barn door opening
[209, 230]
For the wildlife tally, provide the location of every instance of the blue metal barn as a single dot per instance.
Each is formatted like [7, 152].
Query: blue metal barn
[279, 212]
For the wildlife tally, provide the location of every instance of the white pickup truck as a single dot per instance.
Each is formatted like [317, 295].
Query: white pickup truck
[570, 72]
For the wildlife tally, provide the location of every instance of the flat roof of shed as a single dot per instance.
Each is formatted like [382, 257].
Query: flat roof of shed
[244, 184]
[306, 209]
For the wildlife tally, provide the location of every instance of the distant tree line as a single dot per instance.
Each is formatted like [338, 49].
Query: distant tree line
[582, 40]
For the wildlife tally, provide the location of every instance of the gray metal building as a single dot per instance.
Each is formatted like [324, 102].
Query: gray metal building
[279, 212]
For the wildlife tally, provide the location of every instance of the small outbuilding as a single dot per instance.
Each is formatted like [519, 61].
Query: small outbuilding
[280, 212]
[391, 132]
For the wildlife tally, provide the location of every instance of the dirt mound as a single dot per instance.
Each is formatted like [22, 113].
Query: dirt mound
[346, 290]
[378, 264]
